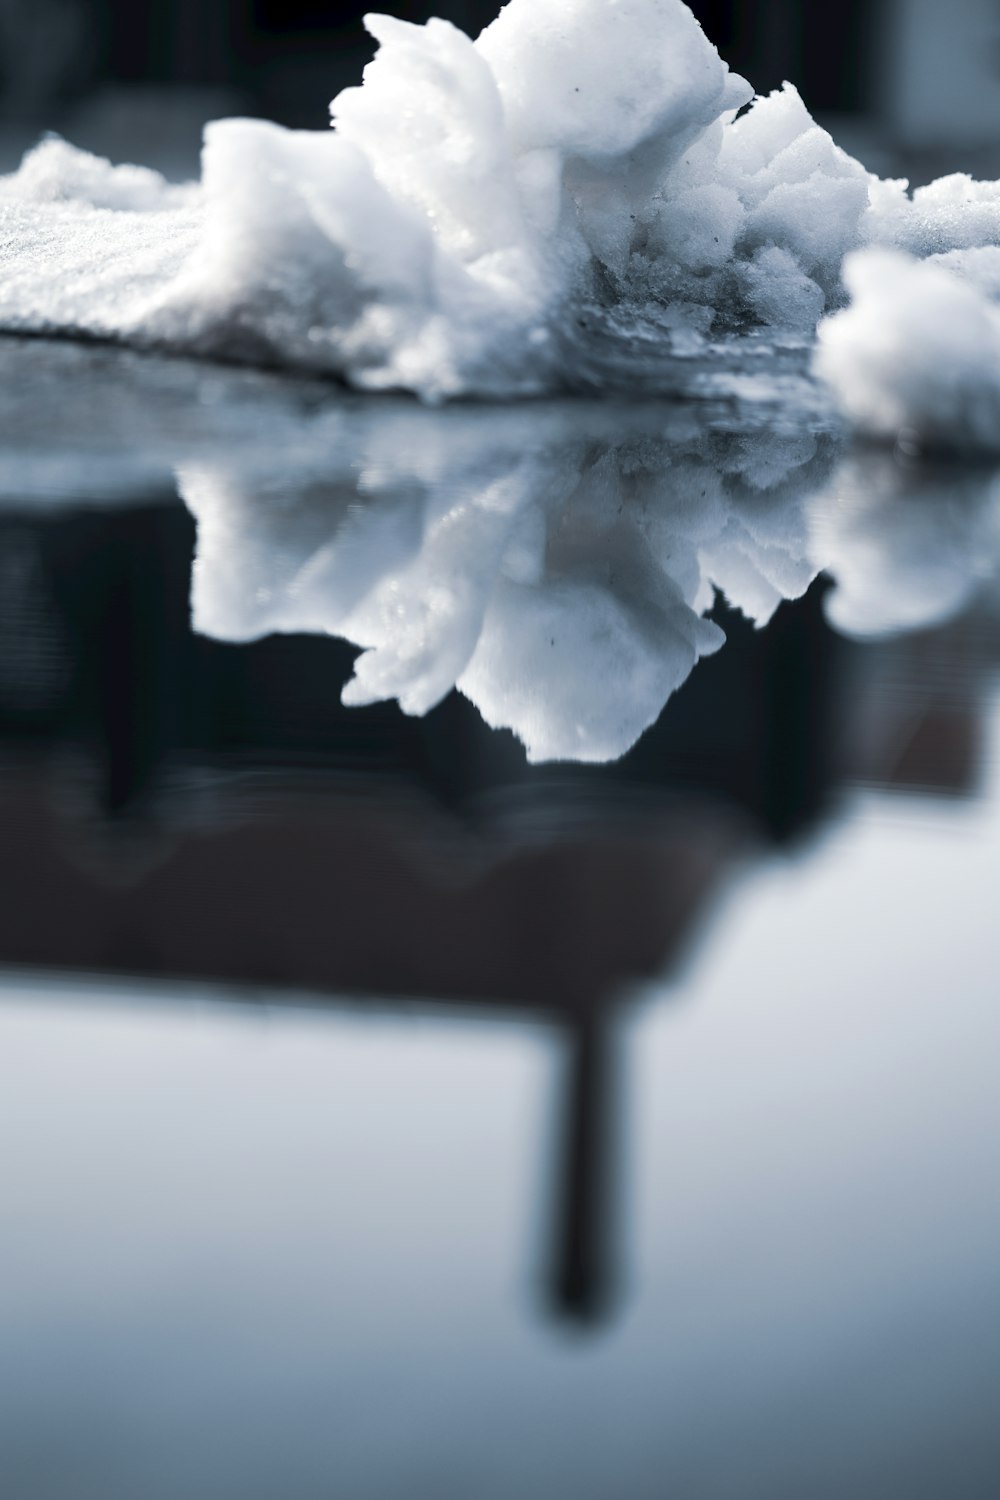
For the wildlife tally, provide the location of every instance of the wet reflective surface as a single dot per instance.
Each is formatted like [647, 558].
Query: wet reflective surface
[395, 1105]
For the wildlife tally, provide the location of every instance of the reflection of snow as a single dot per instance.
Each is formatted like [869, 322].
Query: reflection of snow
[558, 575]
[557, 563]
[908, 548]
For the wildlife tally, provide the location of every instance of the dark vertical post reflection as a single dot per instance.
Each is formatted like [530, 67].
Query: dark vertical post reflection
[798, 730]
[583, 1281]
[139, 580]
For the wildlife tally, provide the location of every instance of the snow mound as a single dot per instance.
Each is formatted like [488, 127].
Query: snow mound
[568, 200]
[917, 354]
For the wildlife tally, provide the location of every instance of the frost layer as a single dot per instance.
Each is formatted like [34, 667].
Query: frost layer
[568, 200]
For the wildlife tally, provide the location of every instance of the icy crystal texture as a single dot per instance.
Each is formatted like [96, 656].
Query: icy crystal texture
[569, 200]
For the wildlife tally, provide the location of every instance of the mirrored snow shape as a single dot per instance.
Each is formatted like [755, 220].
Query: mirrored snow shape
[908, 547]
[558, 564]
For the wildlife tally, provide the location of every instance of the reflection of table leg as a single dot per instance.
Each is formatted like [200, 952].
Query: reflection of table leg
[582, 1282]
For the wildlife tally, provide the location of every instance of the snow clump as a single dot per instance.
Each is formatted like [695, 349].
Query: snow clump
[581, 193]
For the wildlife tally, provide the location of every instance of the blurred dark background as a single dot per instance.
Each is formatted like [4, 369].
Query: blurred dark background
[264, 48]
[901, 79]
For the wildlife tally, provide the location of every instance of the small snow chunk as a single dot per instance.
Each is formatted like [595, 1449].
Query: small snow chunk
[918, 350]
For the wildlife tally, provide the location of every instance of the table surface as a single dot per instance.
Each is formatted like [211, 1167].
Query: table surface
[387, 1116]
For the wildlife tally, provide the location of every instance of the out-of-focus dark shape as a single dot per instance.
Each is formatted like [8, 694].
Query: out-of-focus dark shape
[179, 808]
[825, 50]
